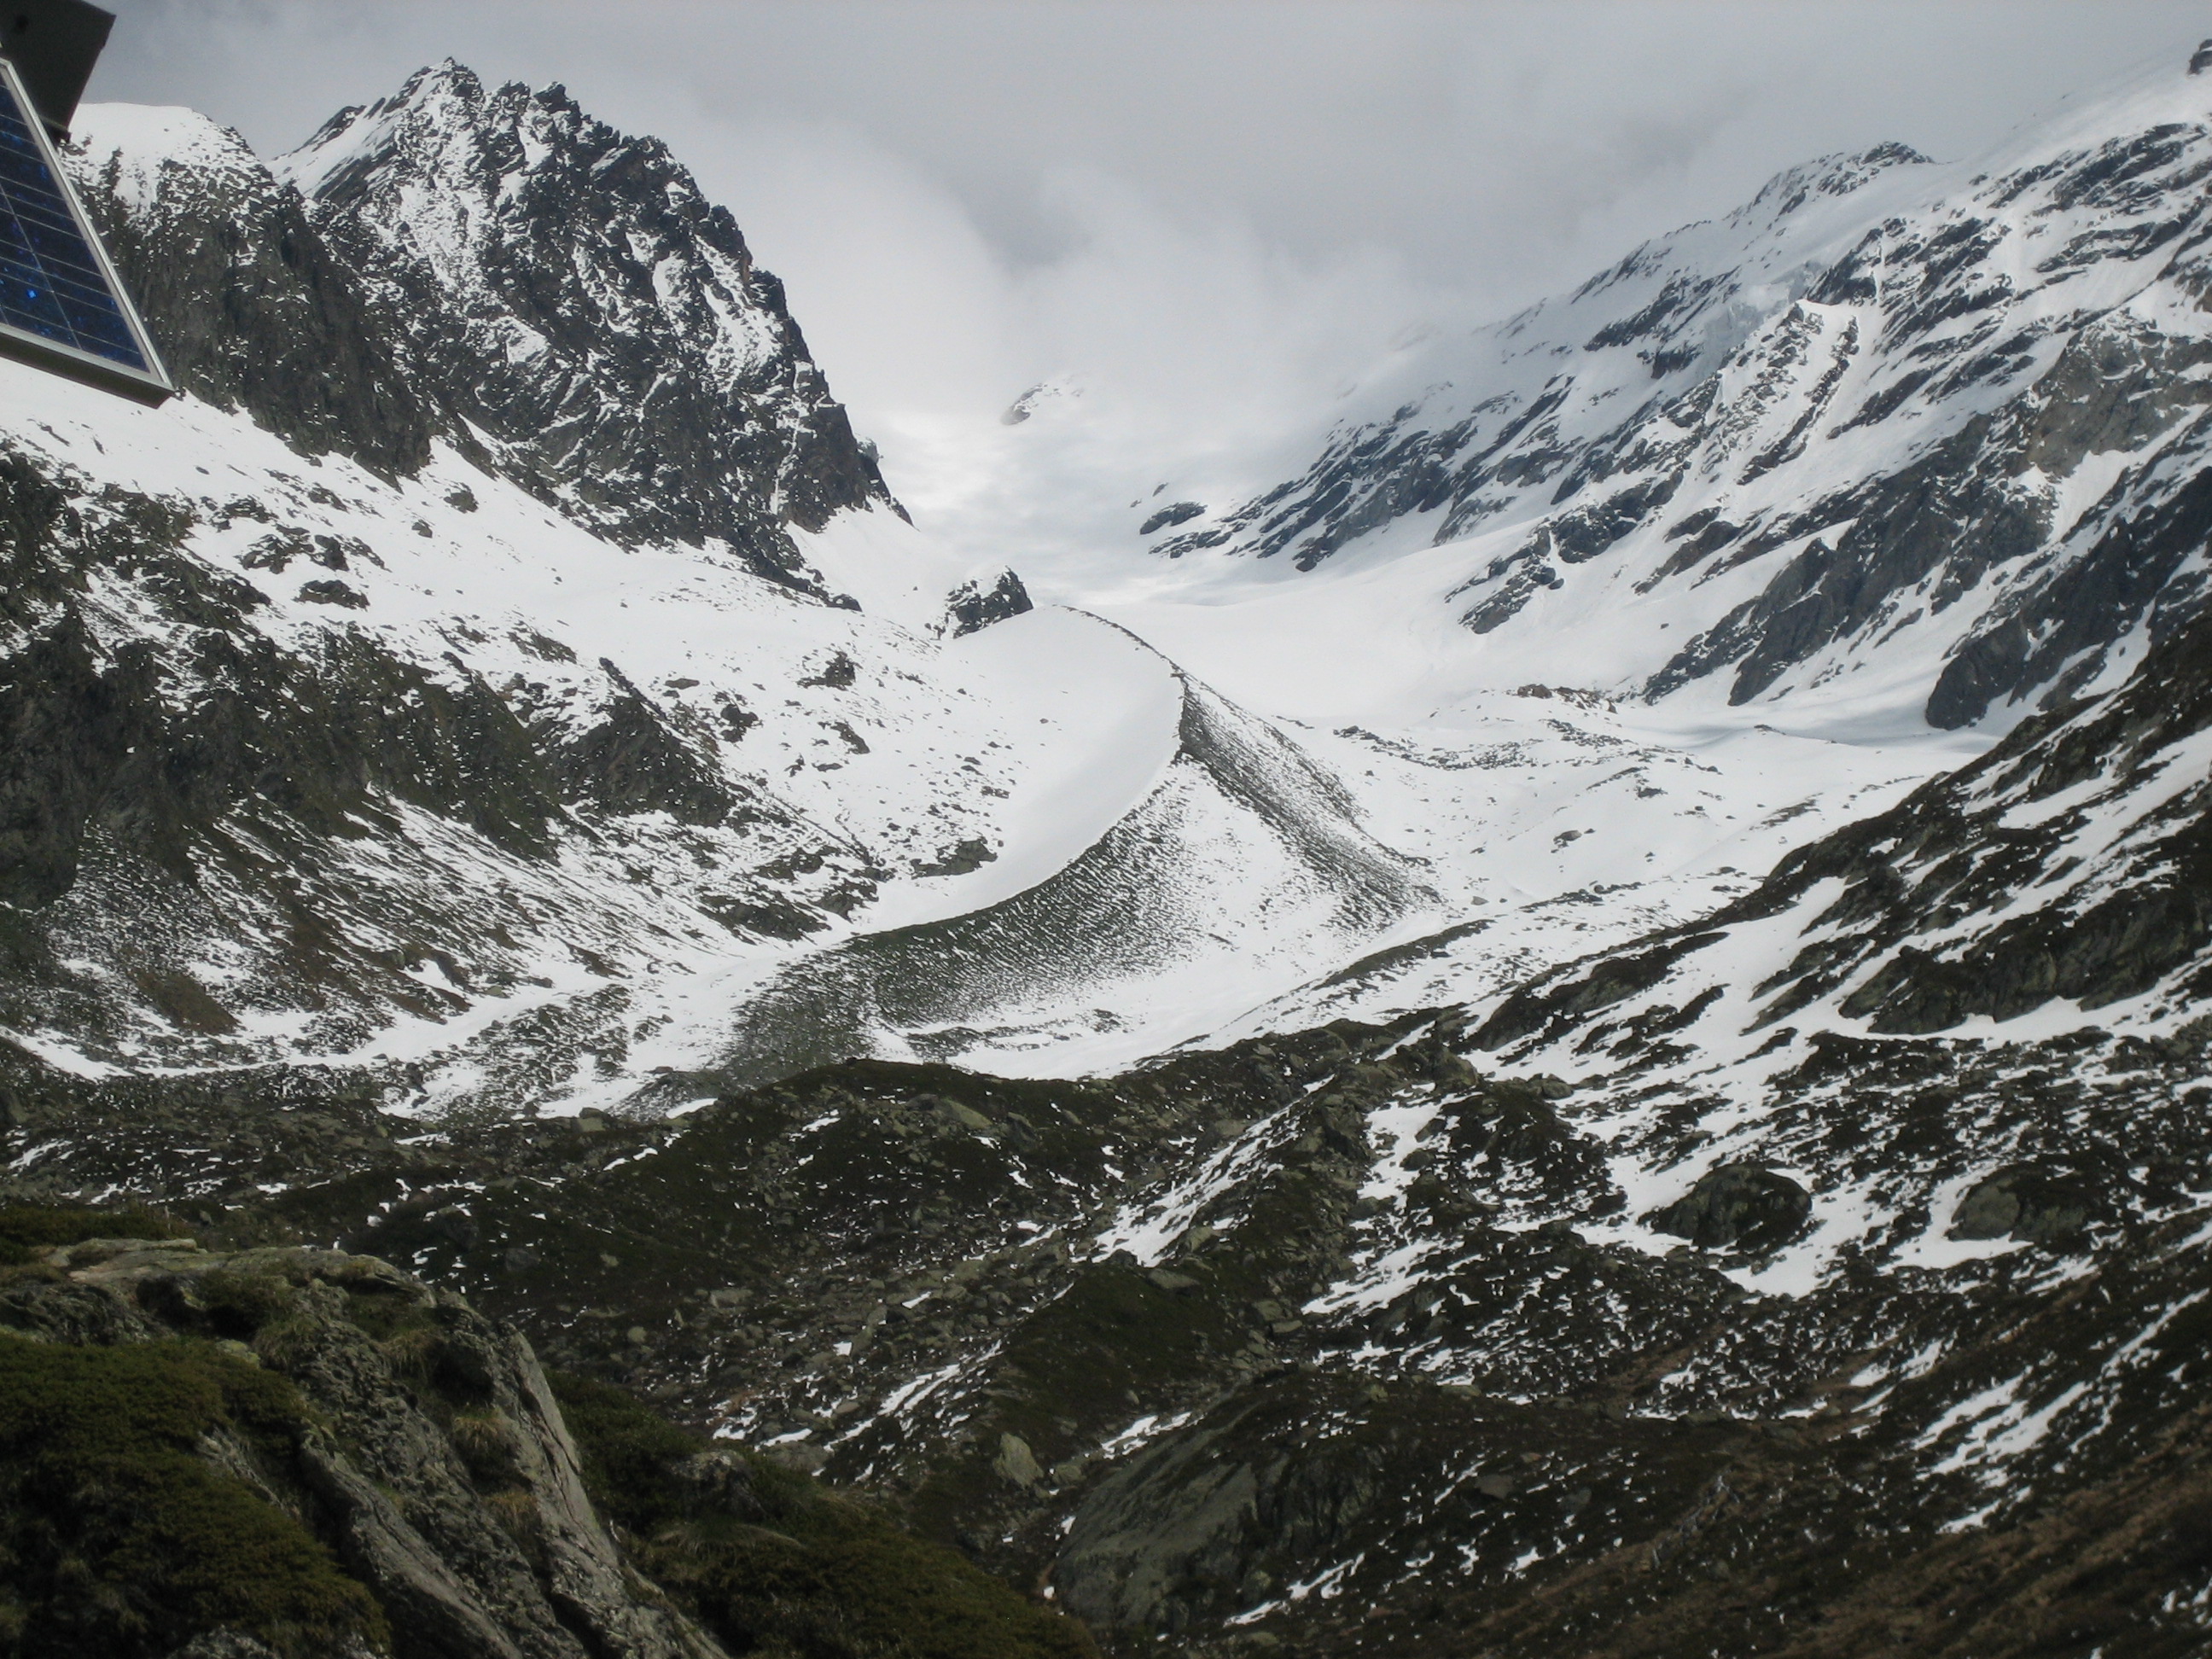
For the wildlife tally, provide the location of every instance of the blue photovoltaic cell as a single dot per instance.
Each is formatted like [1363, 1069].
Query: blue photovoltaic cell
[50, 281]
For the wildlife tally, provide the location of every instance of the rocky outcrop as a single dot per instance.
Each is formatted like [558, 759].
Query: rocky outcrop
[430, 1458]
[1167, 518]
[1739, 1207]
[972, 606]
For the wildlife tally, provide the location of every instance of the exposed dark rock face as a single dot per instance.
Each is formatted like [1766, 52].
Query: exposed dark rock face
[98, 736]
[628, 759]
[964, 859]
[250, 307]
[2026, 1203]
[1173, 513]
[1953, 519]
[972, 607]
[538, 339]
[567, 291]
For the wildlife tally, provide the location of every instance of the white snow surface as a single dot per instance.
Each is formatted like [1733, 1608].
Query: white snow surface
[1530, 811]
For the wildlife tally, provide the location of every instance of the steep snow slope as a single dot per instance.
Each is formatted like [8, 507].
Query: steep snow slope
[1239, 867]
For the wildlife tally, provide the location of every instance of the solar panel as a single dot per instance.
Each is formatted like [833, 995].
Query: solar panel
[61, 306]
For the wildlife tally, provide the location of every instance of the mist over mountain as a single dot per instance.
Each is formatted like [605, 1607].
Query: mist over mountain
[1582, 1027]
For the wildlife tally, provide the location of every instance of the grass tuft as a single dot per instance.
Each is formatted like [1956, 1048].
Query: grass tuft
[117, 1540]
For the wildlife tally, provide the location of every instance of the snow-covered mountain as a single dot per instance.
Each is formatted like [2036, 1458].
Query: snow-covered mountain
[1895, 437]
[510, 544]
[523, 691]
[1582, 1030]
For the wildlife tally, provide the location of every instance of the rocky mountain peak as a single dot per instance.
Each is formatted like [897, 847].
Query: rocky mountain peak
[580, 306]
[442, 124]
[252, 309]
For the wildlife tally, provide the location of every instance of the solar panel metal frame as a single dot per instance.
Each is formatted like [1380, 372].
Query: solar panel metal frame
[150, 386]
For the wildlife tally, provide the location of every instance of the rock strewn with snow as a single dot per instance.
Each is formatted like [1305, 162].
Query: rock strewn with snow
[252, 308]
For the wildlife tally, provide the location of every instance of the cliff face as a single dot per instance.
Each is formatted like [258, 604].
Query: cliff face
[254, 311]
[414, 1441]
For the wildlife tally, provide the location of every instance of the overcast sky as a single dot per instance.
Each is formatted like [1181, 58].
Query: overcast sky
[1208, 212]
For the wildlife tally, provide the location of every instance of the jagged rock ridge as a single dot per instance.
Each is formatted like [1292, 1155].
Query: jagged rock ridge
[566, 291]
[253, 309]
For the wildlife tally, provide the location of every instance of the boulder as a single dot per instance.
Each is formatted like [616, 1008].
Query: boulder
[1739, 1207]
[2023, 1202]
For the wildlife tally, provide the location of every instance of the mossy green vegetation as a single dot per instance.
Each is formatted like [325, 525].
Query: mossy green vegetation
[776, 1566]
[117, 1538]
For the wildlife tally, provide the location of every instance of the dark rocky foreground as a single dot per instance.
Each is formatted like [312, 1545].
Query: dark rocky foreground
[1531, 1440]
[234, 1453]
